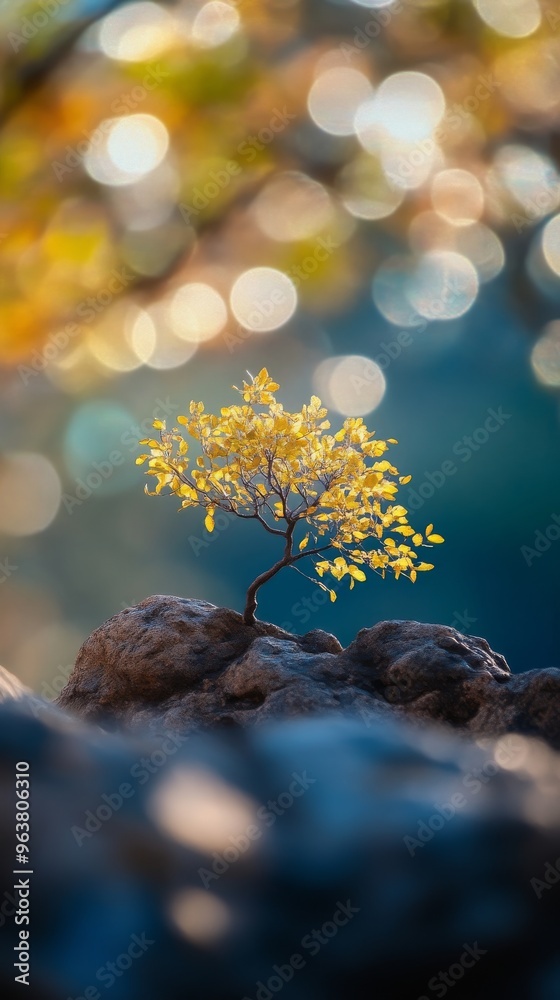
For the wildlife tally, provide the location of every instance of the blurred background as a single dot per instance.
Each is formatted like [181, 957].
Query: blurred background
[362, 197]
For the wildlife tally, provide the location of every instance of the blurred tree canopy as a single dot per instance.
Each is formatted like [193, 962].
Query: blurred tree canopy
[174, 171]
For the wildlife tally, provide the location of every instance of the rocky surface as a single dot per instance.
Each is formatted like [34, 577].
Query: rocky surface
[396, 862]
[176, 664]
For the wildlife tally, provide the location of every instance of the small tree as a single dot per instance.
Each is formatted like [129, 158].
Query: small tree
[287, 472]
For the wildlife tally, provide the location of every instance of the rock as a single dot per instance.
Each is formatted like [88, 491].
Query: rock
[360, 862]
[173, 663]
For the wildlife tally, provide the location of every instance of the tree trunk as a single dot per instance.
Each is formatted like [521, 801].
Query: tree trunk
[251, 601]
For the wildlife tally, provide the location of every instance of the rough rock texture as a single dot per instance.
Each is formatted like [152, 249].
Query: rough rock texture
[176, 664]
[420, 881]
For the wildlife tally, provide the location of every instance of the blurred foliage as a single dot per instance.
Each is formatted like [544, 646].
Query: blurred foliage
[213, 75]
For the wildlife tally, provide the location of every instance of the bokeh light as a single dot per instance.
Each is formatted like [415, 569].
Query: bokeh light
[263, 299]
[551, 244]
[457, 196]
[512, 18]
[335, 97]
[132, 147]
[483, 248]
[292, 206]
[366, 191]
[30, 492]
[155, 341]
[100, 438]
[351, 384]
[107, 340]
[199, 810]
[200, 916]
[443, 286]
[376, 4]
[390, 291]
[215, 24]
[197, 312]
[407, 108]
[530, 177]
[545, 357]
[137, 31]
[480, 244]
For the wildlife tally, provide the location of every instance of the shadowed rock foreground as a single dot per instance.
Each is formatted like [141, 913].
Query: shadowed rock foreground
[173, 663]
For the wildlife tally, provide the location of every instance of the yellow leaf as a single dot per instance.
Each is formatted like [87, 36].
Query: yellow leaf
[159, 425]
[332, 596]
[418, 539]
[209, 522]
[141, 459]
[304, 543]
[436, 539]
[357, 574]
[429, 529]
